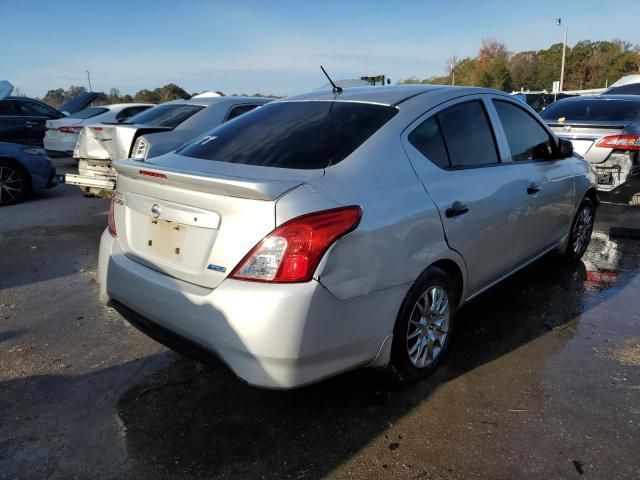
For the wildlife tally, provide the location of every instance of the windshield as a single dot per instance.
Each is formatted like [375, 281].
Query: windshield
[601, 110]
[165, 115]
[302, 135]
[88, 113]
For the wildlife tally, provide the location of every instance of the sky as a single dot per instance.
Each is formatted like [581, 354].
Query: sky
[274, 47]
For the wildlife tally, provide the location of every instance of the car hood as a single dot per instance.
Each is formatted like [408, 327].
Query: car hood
[5, 89]
[78, 103]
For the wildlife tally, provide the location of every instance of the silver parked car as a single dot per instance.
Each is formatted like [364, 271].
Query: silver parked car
[605, 130]
[329, 231]
[153, 132]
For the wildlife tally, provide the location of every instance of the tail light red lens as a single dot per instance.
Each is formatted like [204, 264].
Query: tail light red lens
[111, 221]
[147, 173]
[69, 129]
[620, 142]
[292, 252]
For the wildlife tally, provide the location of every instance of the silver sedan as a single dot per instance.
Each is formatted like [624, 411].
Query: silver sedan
[329, 231]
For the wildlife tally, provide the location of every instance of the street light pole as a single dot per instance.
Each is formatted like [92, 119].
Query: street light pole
[564, 50]
[89, 78]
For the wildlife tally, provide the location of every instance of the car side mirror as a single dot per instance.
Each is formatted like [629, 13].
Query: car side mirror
[565, 148]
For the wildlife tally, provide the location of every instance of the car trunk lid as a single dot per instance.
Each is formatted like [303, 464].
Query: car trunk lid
[197, 223]
[110, 142]
[585, 136]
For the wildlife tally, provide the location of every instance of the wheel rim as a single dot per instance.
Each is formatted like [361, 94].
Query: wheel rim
[582, 230]
[11, 184]
[428, 326]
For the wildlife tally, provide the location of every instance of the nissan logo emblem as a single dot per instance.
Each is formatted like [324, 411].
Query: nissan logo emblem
[155, 210]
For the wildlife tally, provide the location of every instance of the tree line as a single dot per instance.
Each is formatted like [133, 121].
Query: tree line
[588, 64]
[171, 91]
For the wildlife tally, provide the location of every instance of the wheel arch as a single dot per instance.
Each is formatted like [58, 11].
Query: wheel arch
[455, 272]
[20, 167]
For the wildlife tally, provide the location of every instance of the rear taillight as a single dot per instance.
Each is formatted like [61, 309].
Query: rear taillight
[111, 221]
[620, 142]
[292, 252]
[74, 130]
[148, 173]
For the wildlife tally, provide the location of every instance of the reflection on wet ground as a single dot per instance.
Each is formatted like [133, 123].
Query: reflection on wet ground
[534, 387]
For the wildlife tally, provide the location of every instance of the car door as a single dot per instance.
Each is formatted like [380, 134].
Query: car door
[545, 183]
[12, 128]
[454, 152]
[35, 116]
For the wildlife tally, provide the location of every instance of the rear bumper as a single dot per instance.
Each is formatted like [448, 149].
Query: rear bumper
[59, 142]
[270, 335]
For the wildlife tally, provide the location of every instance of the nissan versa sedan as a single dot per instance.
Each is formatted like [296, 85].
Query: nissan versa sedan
[330, 231]
[605, 130]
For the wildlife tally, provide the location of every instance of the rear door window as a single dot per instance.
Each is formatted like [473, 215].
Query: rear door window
[457, 137]
[7, 108]
[126, 113]
[527, 139]
[239, 110]
[300, 135]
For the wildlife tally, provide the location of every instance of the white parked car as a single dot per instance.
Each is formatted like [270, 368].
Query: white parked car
[154, 132]
[62, 134]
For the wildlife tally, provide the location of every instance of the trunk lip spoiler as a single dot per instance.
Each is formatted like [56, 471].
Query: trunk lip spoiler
[220, 184]
[587, 125]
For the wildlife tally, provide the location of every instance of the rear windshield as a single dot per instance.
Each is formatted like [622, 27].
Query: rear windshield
[301, 135]
[602, 110]
[165, 115]
[88, 112]
[631, 89]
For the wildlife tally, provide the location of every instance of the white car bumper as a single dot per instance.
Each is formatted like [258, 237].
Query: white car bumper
[270, 335]
[55, 141]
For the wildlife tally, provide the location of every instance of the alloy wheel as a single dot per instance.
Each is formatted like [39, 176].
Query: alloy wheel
[582, 230]
[428, 326]
[11, 184]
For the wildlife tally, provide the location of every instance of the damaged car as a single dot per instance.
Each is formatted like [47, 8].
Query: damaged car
[156, 131]
[605, 130]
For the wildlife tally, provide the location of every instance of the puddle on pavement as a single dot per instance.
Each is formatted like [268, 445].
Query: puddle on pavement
[517, 348]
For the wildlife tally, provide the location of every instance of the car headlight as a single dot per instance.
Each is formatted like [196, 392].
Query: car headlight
[140, 149]
[35, 151]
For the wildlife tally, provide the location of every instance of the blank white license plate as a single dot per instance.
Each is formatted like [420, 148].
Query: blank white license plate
[581, 146]
[166, 239]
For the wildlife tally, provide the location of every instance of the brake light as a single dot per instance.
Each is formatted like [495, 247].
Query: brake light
[147, 173]
[292, 252]
[620, 142]
[111, 221]
[68, 129]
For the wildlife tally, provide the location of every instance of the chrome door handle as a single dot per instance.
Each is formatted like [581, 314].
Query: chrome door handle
[533, 188]
[30, 124]
[458, 208]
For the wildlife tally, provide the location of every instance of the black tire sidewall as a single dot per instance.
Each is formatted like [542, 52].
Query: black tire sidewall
[570, 254]
[401, 365]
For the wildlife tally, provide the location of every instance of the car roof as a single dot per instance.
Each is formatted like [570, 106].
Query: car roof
[384, 95]
[208, 101]
[602, 98]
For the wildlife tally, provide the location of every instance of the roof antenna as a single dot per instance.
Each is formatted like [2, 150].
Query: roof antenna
[336, 89]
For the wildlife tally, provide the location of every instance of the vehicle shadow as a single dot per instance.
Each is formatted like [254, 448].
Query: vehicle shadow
[176, 418]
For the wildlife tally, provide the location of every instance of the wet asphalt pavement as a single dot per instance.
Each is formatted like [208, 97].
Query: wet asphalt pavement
[543, 379]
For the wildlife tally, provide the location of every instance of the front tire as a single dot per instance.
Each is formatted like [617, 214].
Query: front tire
[581, 230]
[423, 327]
[15, 183]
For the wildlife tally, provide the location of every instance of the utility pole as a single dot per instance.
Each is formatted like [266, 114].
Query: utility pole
[564, 49]
[454, 60]
[89, 78]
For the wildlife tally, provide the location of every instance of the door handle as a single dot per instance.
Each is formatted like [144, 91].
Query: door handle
[458, 208]
[30, 124]
[533, 188]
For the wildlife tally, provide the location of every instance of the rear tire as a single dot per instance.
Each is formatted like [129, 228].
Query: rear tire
[424, 326]
[15, 183]
[581, 230]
